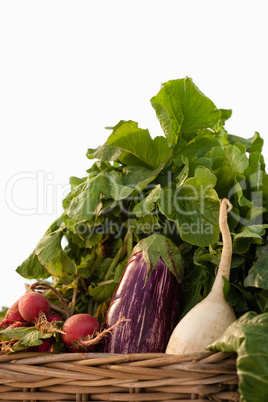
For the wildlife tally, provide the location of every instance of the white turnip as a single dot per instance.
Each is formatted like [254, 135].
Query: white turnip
[31, 305]
[206, 322]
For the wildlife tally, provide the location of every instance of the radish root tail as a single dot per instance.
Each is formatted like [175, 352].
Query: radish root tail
[95, 338]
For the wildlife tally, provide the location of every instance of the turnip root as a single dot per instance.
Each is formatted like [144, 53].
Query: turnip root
[206, 322]
[31, 305]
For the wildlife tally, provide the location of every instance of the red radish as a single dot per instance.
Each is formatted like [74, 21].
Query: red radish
[31, 304]
[9, 346]
[54, 318]
[76, 328]
[12, 315]
[18, 324]
[79, 332]
[46, 345]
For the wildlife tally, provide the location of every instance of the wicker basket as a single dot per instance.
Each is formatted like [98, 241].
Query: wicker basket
[107, 377]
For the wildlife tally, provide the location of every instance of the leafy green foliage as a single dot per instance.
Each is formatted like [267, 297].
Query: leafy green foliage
[140, 147]
[182, 108]
[258, 273]
[166, 188]
[194, 206]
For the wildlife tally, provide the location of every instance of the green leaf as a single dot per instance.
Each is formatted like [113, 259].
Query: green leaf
[49, 247]
[234, 297]
[138, 142]
[145, 206]
[87, 204]
[247, 235]
[241, 246]
[195, 279]
[253, 144]
[194, 206]
[119, 270]
[248, 338]
[181, 107]
[76, 181]
[157, 246]
[116, 190]
[146, 225]
[84, 269]
[184, 173]
[31, 268]
[258, 273]
[51, 255]
[196, 148]
[236, 159]
[84, 205]
[25, 336]
[139, 177]
[252, 231]
[104, 153]
[225, 114]
[202, 257]
[225, 181]
[197, 163]
[262, 300]
[102, 293]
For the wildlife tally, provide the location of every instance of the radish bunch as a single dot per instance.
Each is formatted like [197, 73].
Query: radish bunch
[27, 309]
[79, 333]
[32, 310]
[12, 315]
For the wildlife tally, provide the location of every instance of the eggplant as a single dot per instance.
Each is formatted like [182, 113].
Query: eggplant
[148, 296]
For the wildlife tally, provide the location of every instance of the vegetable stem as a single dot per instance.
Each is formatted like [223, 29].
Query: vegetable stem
[120, 254]
[90, 307]
[72, 306]
[98, 260]
[114, 263]
[129, 243]
[226, 255]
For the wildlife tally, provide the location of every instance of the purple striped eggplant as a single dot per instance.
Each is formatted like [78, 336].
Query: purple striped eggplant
[148, 297]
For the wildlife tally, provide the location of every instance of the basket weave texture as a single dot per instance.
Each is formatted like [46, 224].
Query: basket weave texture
[28, 376]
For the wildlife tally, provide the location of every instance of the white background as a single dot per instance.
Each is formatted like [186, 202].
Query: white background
[70, 68]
